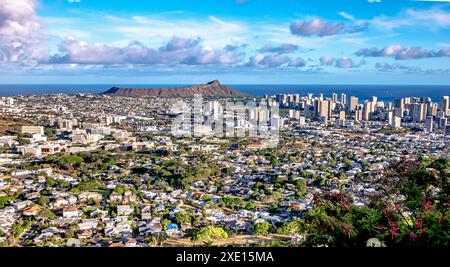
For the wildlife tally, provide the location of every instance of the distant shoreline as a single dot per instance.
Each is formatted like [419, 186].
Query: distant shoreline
[384, 92]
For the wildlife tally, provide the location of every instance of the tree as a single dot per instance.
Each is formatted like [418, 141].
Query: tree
[261, 228]
[206, 198]
[50, 182]
[250, 206]
[70, 161]
[209, 233]
[293, 227]
[277, 195]
[275, 162]
[165, 223]
[47, 214]
[43, 200]
[348, 164]
[228, 171]
[4, 200]
[120, 189]
[422, 220]
[182, 217]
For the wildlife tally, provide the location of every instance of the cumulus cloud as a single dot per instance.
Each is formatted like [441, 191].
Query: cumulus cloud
[20, 32]
[176, 51]
[345, 63]
[281, 49]
[275, 60]
[434, 18]
[297, 62]
[326, 60]
[177, 43]
[322, 28]
[386, 67]
[402, 53]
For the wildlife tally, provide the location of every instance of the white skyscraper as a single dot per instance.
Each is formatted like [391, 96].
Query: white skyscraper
[429, 121]
[344, 99]
[444, 104]
[396, 122]
[353, 103]
[302, 121]
[390, 117]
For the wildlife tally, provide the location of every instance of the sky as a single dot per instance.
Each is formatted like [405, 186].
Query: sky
[234, 41]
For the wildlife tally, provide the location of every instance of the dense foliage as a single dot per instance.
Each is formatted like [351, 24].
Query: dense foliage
[209, 233]
[421, 220]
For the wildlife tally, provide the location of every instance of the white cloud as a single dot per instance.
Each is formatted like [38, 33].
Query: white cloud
[20, 32]
[154, 30]
[430, 18]
[177, 51]
[403, 53]
[327, 60]
[346, 15]
[322, 28]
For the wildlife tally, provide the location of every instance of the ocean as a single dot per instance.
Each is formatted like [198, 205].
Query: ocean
[383, 92]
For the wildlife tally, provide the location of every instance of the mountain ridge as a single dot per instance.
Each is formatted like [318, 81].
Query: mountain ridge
[212, 88]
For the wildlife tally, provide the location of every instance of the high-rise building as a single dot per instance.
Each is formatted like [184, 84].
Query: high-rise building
[442, 123]
[418, 112]
[390, 117]
[282, 99]
[353, 103]
[330, 108]
[432, 109]
[344, 99]
[444, 104]
[440, 114]
[389, 106]
[359, 115]
[342, 115]
[291, 113]
[398, 112]
[399, 103]
[367, 110]
[310, 111]
[302, 121]
[429, 121]
[447, 129]
[396, 122]
[334, 98]
[296, 98]
[290, 99]
[373, 104]
[324, 108]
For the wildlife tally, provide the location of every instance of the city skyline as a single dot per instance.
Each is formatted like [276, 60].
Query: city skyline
[297, 42]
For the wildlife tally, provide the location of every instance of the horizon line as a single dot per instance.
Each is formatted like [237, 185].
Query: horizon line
[118, 84]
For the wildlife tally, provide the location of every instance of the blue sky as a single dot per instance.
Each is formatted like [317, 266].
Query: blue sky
[235, 41]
